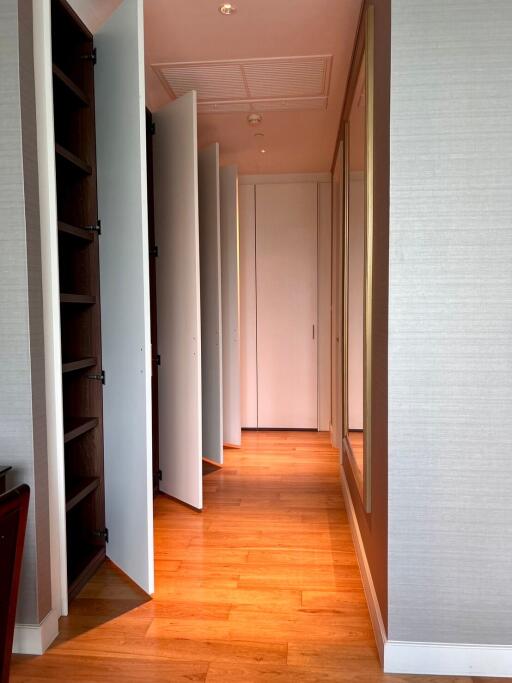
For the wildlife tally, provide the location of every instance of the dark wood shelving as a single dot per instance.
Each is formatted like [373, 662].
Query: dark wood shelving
[73, 57]
[75, 231]
[82, 299]
[82, 567]
[72, 160]
[80, 489]
[70, 86]
[80, 364]
[76, 426]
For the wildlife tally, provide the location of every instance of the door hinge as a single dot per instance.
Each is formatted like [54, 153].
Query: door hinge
[101, 533]
[94, 228]
[92, 56]
[152, 128]
[99, 377]
[159, 475]
[153, 251]
[157, 359]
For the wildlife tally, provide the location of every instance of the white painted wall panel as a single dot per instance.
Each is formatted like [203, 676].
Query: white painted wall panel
[211, 317]
[355, 313]
[230, 304]
[248, 362]
[324, 306]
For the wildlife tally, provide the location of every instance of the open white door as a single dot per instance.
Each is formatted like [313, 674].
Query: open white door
[211, 321]
[230, 305]
[178, 299]
[124, 275]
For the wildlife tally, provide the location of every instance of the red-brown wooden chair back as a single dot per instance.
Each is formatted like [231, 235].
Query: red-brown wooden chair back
[13, 522]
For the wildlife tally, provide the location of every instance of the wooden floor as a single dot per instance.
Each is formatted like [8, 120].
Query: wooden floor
[261, 586]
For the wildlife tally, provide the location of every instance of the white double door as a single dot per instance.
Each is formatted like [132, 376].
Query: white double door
[279, 299]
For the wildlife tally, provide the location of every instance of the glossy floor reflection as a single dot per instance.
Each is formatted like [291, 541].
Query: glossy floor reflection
[262, 586]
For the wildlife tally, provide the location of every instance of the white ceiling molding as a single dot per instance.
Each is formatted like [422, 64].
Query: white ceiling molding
[245, 85]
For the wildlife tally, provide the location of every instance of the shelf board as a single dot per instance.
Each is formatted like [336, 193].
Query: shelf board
[76, 426]
[80, 569]
[80, 489]
[80, 364]
[70, 86]
[75, 231]
[72, 159]
[83, 299]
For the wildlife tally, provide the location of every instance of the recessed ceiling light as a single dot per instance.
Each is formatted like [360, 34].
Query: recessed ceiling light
[227, 8]
[263, 151]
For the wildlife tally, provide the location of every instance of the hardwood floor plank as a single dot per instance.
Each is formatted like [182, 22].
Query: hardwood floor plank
[261, 587]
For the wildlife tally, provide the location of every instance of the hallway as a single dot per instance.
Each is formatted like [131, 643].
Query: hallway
[262, 586]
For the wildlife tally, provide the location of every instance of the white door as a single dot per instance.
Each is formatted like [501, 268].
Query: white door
[230, 305]
[124, 275]
[178, 299]
[211, 317]
[286, 291]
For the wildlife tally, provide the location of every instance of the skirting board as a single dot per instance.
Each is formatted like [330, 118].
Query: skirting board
[434, 659]
[33, 639]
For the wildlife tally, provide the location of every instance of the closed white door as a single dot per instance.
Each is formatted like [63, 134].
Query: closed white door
[178, 299]
[286, 295]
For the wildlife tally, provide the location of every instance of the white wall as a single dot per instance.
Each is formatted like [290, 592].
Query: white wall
[248, 304]
[450, 328]
[356, 302]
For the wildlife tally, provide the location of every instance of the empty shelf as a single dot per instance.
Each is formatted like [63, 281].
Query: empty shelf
[70, 86]
[76, 426]
[72, 160]
[79, 490]
[75, 231]
[82, 566]
[83, 299]
[81, 364]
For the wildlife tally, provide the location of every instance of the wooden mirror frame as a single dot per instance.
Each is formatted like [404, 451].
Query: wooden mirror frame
[364, 49]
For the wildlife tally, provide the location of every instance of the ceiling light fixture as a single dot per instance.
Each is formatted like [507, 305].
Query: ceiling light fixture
[227, 8]
[263, 151]
[254, 119]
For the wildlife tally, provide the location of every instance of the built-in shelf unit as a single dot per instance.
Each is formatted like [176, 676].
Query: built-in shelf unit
[75, 154]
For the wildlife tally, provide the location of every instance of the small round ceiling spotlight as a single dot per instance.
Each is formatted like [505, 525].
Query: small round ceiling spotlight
[263, 151]
[254, 119]
[227, 8]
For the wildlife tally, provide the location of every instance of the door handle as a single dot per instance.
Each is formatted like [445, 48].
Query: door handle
[313, 331]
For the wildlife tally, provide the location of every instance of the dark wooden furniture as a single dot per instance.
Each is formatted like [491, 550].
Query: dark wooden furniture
[153, 253]
[13, 522]
[3, 474]
[78, 229]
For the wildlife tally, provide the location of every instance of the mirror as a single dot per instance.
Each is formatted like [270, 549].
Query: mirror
[357, 277]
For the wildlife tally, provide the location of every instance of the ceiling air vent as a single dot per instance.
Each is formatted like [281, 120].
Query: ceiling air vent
[273, 84]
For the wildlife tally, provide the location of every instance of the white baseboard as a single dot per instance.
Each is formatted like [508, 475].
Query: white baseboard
[448, 659]
[433, 659]
[369, 589]
[34, 639]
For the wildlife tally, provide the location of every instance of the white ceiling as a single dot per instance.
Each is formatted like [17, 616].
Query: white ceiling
[300, 135]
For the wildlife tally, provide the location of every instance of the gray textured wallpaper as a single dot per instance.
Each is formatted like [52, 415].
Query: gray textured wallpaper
[450, 322]
[22, 395]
